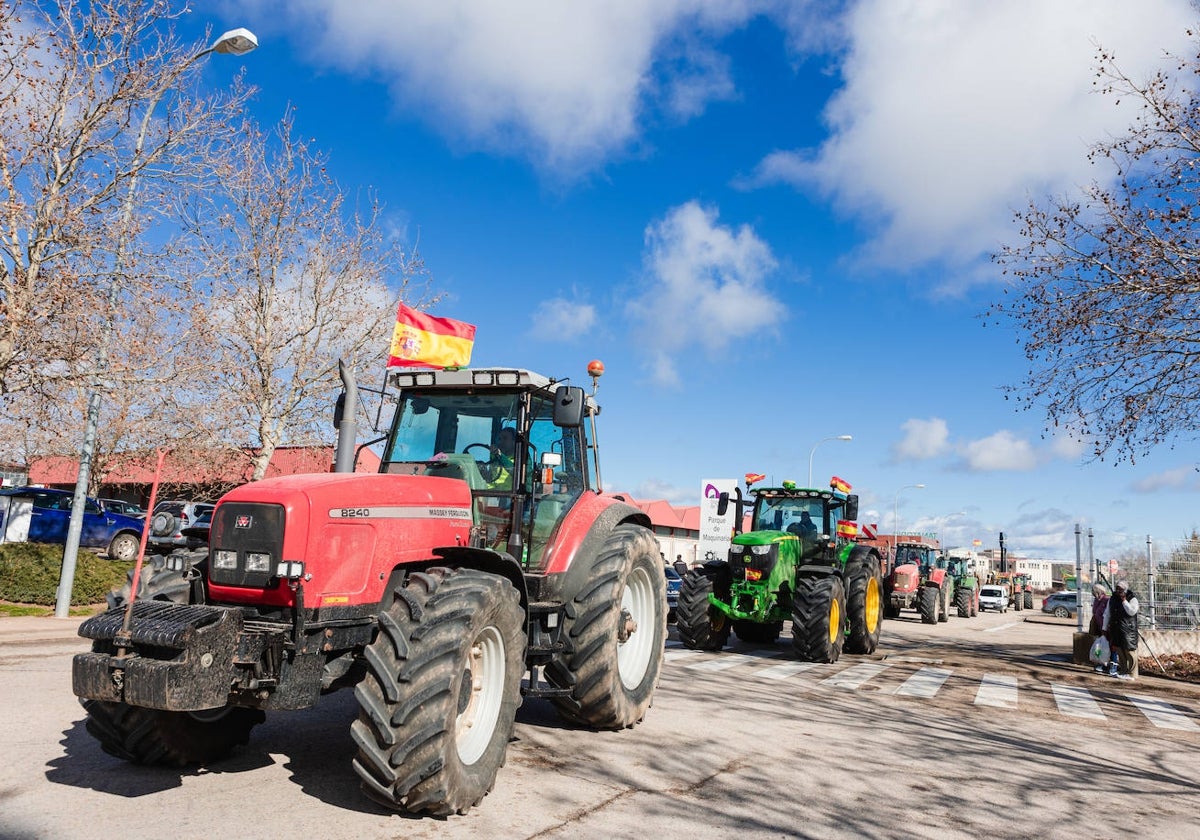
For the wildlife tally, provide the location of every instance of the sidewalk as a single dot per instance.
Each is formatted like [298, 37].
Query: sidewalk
[25, 629]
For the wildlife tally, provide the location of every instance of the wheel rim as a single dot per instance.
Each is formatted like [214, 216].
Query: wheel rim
[483, 687]
[835, 620]
[637, 608]
[872, 605]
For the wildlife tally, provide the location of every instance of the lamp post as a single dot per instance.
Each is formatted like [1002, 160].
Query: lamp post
[234, 42]
[814, 449]
[895, 515]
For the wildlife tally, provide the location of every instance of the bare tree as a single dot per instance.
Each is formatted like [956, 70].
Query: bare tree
[298, 278]
[1105, 285]
[76, 80]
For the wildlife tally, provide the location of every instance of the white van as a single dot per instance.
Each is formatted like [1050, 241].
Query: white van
[993, 597]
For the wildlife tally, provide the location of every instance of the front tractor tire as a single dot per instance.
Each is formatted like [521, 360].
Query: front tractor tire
[943, 604]
[616, 626]
[441, 690]
[1028, 600]
[927, 604]
[818, 617]
[864, 604]
[962, 601]
[702, 626]
[168, 739]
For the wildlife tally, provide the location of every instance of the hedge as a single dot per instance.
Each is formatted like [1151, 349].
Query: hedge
[29, 574]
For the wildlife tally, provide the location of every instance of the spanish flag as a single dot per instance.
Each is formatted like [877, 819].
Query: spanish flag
[420, 340]
[839, 485]
[754, 478]
[847, 529]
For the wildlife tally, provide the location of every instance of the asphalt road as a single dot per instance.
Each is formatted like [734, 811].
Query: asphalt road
[976, 728]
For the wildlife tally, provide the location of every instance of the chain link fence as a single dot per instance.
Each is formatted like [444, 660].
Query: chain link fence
[1164, 576]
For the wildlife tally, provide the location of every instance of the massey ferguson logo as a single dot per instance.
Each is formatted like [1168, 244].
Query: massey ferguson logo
[243, 521]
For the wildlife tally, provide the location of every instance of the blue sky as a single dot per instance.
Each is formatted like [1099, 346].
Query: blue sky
[771, 220]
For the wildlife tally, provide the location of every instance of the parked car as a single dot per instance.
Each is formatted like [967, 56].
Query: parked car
[127, 508]
[993, 597]
[168, 521]
[1061, 604]
[116, 534]
[674, 584]
[197, 533]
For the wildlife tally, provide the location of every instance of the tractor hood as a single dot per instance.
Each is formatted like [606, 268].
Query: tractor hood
[906, 578]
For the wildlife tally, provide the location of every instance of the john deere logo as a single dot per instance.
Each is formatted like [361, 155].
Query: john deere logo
[243, 521]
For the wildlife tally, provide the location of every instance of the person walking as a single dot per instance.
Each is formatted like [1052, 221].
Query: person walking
[1120, 625]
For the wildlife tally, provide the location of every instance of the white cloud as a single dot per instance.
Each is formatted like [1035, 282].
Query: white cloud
[704, 288]
[564, 84]
[578, 318]
[922, 439]
[1001, 451]
[953, 111]
[1181, 478]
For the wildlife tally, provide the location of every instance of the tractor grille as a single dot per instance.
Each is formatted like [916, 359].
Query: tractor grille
[754, 567]
[906, 581]
[246, 544]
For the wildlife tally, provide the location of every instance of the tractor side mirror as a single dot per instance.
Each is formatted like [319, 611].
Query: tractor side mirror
[722, 504]
[568, 407]
[851, 508]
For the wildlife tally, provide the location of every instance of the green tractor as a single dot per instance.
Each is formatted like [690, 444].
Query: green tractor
[798, 561]
[966, 586]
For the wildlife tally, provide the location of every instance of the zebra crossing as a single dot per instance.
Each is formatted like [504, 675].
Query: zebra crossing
[999, 691]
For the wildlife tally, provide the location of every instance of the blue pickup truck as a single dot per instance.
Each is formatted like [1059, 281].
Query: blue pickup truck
[116, 534]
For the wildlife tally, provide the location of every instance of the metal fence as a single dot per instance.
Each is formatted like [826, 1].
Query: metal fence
[1164, 575]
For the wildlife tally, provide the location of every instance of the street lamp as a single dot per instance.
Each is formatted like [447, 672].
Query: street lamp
[814, 449]
[895, 516]
[234, 42]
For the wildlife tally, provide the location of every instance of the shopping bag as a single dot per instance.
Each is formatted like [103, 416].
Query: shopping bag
[1100, 651]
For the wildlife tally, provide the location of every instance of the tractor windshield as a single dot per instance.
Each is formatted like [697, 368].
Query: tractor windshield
[798, 516]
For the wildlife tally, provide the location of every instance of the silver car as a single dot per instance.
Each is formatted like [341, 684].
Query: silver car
[169, 520]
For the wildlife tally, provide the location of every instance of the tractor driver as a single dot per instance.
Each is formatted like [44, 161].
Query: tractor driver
[500, 464]
[805, 527]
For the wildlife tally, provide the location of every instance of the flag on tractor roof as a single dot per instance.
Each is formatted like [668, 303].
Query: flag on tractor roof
[421, 340]
[840, 485]
[754, 478]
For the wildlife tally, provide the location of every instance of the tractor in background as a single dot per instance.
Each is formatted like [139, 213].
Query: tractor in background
[966, 585]
[1020, 591]
[919, 580]
[798, 561]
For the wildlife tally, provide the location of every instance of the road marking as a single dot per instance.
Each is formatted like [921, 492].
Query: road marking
[854, 676]
[1001, 627]
[924, 683]
[784, 670]
[727, 660]
[1075, 701]
[1163, 715]
[675, 654]
[997, 690]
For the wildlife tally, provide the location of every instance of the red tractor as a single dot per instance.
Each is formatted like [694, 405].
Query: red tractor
[919, 581]
[483, 552]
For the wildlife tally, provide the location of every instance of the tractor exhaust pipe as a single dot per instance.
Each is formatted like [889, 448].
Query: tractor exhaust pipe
[344, 421]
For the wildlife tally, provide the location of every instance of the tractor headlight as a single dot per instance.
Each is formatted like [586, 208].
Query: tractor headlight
[761, 549]
[224, 559]
[258, 562]
[736, 549]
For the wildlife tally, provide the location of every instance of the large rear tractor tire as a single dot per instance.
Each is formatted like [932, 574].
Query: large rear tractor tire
[168, 739]
[443, 682]
[754, 633]
[864, 603]
[818, 618]
[974, 602]
[702, 626]
[158, 583]
[962, 601]
[616, 626]
[1028, 600]
[927, 604]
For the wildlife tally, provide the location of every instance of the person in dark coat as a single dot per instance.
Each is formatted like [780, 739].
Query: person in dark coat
[1099, 605]
[1120, 625]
